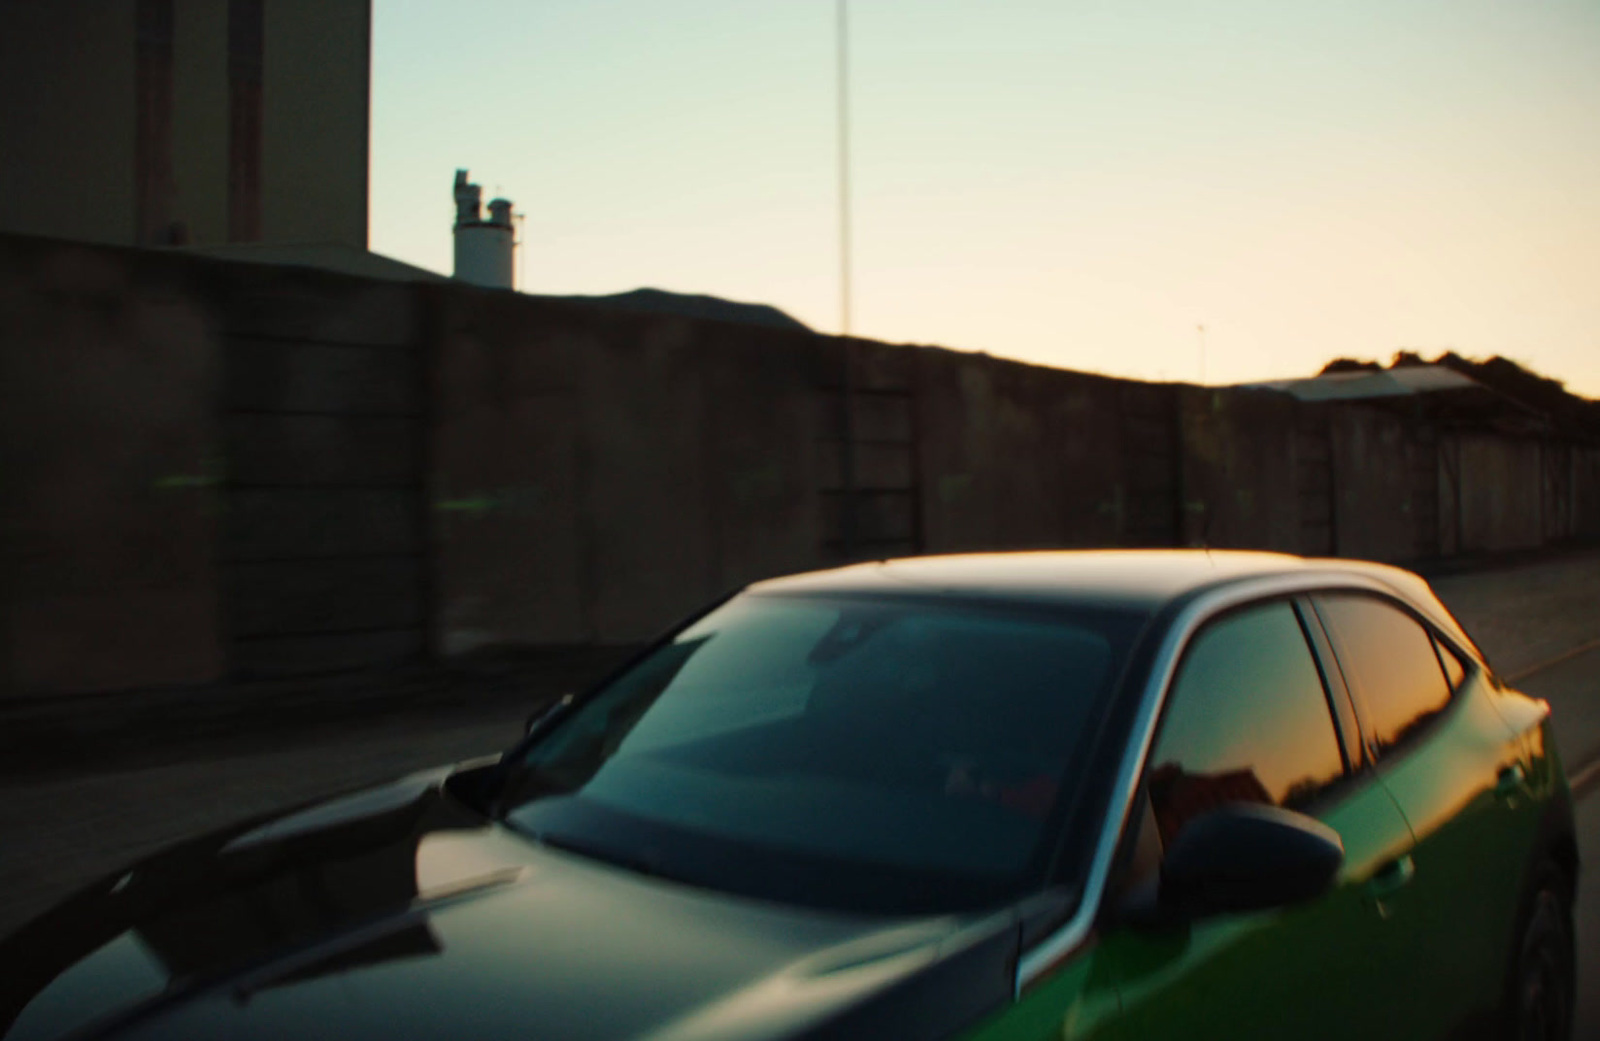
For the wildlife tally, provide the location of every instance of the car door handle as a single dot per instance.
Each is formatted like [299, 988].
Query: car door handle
[1510, 781]
[1392, 877]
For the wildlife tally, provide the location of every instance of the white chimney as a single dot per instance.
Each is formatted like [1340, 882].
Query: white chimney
[485, 249]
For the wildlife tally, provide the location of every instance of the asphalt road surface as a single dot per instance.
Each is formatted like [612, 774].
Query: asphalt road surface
[1540, 625]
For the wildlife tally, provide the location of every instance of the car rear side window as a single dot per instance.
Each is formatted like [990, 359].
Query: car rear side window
[1247, 721]
[1390, 661]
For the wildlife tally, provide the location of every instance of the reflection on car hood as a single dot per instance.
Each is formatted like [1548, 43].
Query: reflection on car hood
[401, 913]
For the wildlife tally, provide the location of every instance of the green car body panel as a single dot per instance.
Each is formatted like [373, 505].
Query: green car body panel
[1415, 938]
[1474, 835]
[1416, 953]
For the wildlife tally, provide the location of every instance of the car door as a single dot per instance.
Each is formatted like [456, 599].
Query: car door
[1250, 718]
[1457, 772]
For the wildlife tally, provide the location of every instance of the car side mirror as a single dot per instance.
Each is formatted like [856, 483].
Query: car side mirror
[546, 717]
[1247, 857]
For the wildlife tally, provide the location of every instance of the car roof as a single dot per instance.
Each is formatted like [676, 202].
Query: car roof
[1133, 578]
[1143, 580]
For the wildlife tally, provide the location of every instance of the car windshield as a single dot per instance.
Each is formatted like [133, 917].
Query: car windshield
[867, 755]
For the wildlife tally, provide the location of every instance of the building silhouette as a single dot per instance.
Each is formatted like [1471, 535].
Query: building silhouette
[185, 122]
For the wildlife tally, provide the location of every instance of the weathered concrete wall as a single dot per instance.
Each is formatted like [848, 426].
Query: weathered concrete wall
[108, 383]
[1557, 517]
[1586, 492]
[766, 457]
[504, 479]
[594, 475]
[1374, 502]
[1017, 456]
[1571, 501]
[1241, 470]
[210, 469]
[1451, 503]
[865, 472]
[215, 468]
[322, 545]
[647, 420]
[1501, 493]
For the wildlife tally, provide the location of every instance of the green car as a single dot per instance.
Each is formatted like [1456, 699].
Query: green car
[1124, 796]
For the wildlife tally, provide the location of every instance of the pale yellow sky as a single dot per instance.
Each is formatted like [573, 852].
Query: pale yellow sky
[1079, 184]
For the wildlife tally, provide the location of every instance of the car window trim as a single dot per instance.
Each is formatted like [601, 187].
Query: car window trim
[1347, 721]
[1383, 762]
[1056, 946]
[1441, 650]
[1473, 666]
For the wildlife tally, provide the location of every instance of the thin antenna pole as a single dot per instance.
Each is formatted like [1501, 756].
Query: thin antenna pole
[843, 25]
[847, 439]
[516, 250]
[1200, 330]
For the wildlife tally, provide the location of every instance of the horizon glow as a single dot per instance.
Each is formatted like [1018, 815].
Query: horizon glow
[1077, 185]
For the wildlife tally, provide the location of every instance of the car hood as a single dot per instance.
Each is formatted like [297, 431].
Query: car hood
[400, 912]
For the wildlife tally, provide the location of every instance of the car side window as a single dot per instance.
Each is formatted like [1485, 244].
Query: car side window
[1247, 720]
[1392, 663]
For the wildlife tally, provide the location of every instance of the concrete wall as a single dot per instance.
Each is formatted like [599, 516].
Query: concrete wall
[595, 475]
[108, 385]
[1586, 492]
[1241, 470]
[1571, 502]
[1501, 493]
[323, 546]
[222, 469]
[1375, 504]
[1013, 455]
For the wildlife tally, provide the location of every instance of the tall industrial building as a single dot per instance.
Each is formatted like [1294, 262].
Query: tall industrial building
[185, 122]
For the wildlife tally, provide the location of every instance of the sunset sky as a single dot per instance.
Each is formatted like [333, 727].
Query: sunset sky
[1078, 183]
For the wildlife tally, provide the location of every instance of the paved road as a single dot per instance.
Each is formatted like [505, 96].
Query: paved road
[1529, 614]
[61, 833]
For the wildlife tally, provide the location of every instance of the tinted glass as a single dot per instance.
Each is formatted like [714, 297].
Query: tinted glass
[1389, 660]
[1247, 721]
[852, 753]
